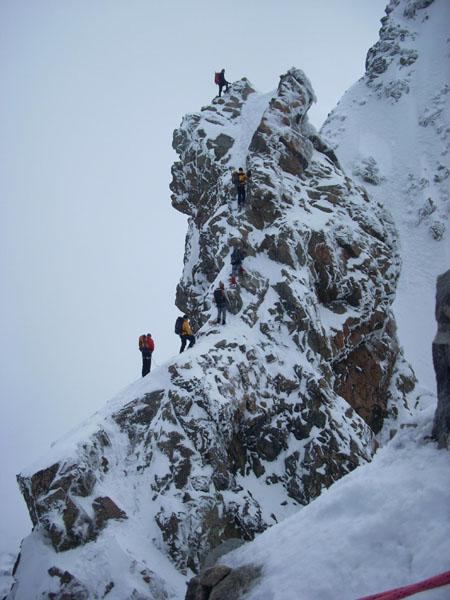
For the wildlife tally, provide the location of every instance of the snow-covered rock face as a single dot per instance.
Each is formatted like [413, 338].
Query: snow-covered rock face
[321, 264]
[406, 70]
[391, 132]
[263, 413]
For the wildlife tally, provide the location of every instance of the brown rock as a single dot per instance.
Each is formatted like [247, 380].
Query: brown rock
[221, 145]
[363, 383]
[237, 583]
[193, 588]
[211, 577]
[70, 588]
[105, 509]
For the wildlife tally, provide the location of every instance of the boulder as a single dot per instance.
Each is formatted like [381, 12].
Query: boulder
[222, 583]
[441, 361]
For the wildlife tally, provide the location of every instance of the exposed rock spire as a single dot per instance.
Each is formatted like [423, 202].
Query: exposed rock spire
[253, 422]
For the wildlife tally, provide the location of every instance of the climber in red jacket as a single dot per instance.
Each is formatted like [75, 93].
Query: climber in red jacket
[221, 81]
[146, 346]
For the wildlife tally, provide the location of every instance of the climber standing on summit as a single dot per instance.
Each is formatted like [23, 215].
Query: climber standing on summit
[146, 346]
[220, 80]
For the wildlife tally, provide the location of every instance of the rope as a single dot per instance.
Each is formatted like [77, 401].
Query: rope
[414, 588]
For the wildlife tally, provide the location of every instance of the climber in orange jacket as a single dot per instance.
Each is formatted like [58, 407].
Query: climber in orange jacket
[146, 346]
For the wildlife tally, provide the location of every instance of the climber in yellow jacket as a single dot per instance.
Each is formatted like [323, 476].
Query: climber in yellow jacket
[240, 181]
[186, 334]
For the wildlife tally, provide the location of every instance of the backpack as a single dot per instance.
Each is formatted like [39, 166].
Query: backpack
[217, 78]
[146, 344]
[218, 296]
[236, 256]
[178, 325]
[242, 178]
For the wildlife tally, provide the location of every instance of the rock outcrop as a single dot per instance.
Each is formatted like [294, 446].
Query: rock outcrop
[441, 361]
[262, 414]
[222, 583]
[390, 131]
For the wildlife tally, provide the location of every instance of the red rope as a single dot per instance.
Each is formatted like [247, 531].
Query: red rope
[414, 588]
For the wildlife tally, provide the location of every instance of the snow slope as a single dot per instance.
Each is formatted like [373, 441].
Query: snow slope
[384, 525]
[391, 131]
[6, 566]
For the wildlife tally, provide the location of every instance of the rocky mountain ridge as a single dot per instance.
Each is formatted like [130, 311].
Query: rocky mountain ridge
[262, 414]
[391, 133]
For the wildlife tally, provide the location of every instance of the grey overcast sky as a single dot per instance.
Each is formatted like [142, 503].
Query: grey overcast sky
[90, 248]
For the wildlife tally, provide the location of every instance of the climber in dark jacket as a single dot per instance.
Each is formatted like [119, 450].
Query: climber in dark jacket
[237, 256]
[223, 82]
[222, 301]
[146, 346]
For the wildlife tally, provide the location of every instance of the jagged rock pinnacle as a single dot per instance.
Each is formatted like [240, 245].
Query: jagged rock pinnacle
[265, 412]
